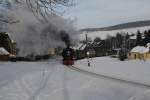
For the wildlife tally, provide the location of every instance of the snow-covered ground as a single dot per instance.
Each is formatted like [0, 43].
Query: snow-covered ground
[50, 80]
[132, 70]
[104, 34]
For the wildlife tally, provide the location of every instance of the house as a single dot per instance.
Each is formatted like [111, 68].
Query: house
[51, 51]
[80, 51]
[139, 52]
[7, 43]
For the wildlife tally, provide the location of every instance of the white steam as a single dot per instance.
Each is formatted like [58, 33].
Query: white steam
[35, 36]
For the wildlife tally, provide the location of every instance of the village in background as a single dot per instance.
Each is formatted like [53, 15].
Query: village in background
[123, 46]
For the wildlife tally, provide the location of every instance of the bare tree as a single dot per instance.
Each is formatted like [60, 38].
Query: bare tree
[41, 9]
[46, 8]
[10, 21]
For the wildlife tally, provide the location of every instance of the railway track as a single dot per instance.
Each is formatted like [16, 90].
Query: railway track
[109, 77]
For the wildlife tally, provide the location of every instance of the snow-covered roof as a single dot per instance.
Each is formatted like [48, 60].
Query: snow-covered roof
[3, 51]
[83, 47]
[79, 46]
[140, 49]
[133, 37]
[76, 47]
[148, 45]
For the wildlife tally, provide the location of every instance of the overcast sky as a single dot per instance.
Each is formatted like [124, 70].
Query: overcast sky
[100, 13]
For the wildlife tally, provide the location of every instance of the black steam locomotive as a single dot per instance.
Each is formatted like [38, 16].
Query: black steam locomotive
[68, 56]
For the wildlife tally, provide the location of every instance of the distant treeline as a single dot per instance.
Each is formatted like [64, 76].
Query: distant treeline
[120, 26]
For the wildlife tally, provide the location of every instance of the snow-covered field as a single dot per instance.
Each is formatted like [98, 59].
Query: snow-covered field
[50, 80]
[104, 34]
[132, 70]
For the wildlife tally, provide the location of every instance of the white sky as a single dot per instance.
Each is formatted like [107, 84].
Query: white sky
[100, 13]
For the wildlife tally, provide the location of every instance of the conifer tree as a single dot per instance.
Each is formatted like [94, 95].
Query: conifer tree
[139, 41]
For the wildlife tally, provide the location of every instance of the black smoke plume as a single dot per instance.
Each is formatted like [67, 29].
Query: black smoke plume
[65, 38]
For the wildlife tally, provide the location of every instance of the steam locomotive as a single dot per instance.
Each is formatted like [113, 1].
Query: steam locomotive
[68, 56]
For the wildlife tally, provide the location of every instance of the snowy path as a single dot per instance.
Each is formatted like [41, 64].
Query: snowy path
[53, 81]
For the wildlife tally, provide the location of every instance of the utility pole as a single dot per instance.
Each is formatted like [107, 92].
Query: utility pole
[87, 51]
[86, 38]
